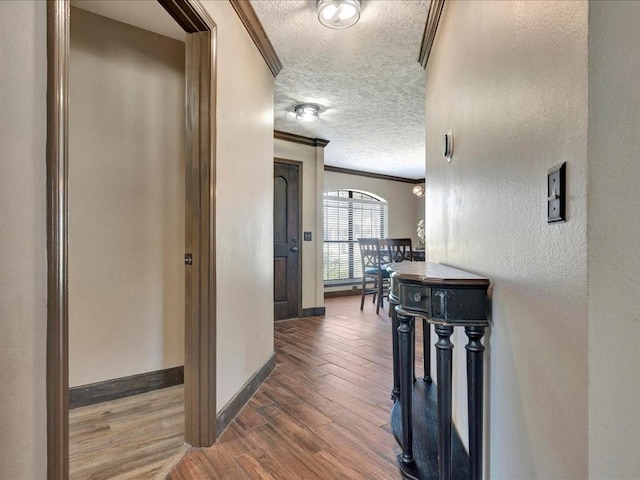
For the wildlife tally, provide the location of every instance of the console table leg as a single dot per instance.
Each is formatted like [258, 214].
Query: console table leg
[405, 335]
[426, 351]
[444, 372]
[395, 393]
[475, 384]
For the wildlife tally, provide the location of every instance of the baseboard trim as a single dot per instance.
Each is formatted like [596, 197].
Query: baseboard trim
[313, 312]
[233, 407]
[343, 293]
[98, 392]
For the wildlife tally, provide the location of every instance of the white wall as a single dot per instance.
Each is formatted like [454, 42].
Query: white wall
[405, 209]
[23, 263]
[126, 200]
[312, 159]
[614, 238]
[244, 204]
[510, 80]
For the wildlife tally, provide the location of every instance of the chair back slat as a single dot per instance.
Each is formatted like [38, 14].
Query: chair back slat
[369, 252]
[400, 249]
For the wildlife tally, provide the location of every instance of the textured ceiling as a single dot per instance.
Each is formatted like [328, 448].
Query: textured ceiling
[366, 79]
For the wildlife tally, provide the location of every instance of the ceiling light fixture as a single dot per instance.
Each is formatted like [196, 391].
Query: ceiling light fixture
[418, 190]
[307, 112]
[338, 13]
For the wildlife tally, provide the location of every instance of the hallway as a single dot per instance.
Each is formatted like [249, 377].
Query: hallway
[323, 413]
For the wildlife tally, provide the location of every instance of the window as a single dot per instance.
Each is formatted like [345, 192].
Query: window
[349, 215]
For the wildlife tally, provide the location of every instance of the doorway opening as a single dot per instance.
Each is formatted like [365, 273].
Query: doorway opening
[199, 241]
[126, 243]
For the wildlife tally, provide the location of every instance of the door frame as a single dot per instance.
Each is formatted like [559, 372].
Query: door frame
[300, 166]
[200, 300]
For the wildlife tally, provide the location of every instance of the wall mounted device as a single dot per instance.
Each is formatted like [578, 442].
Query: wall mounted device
[447, 146]
[556, 193]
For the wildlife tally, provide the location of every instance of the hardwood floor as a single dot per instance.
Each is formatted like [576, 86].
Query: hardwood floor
[128, 438]
[324, 412]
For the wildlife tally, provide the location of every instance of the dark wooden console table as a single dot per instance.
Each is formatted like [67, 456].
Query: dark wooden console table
[421, 417]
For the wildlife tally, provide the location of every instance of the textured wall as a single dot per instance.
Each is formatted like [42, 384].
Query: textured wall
[311, 211]
[23, 264]
[126, 200]
[614, 236]
[244, 210]
[510, 80]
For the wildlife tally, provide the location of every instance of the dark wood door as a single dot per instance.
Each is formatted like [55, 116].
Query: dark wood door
[286, 249]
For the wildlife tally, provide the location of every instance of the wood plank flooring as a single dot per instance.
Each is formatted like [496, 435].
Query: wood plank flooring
[324, 412]
[128, 438]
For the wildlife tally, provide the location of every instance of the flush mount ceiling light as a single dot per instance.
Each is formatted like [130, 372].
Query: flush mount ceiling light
[338, 13]
[418, 190]
[307, 112]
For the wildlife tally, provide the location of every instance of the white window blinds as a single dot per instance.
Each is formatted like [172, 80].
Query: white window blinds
[349, 215]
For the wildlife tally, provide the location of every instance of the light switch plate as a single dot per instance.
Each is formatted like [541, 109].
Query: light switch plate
[556, 194]
[307, 236]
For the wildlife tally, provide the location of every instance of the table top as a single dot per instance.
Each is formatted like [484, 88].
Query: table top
[429, 273]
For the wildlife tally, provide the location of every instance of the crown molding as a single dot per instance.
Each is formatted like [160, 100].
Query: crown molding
[292, 137]
[380, 176]
[252, 23]
[430, 28]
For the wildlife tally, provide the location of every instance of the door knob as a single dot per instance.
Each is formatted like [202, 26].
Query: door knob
[294, 249]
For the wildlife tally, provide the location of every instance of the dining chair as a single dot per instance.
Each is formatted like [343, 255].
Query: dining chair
[374, 269]
[400, 249]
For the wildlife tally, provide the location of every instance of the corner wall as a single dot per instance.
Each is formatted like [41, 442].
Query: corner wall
[510, 80]
[244, 204]
[614, 237]
[23, 261]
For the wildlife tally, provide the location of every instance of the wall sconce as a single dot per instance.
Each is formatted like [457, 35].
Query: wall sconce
[338, 13]
[418, 190]
[307, 112]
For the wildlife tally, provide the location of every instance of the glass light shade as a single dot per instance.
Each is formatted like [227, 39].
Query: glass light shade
[338, 13]
[307, 112]
[418, 190]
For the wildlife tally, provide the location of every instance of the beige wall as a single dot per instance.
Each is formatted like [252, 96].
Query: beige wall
[244, 211]
[614, 237]
[23, 268]
[312, 159]
[126, 200]
[510, 80]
